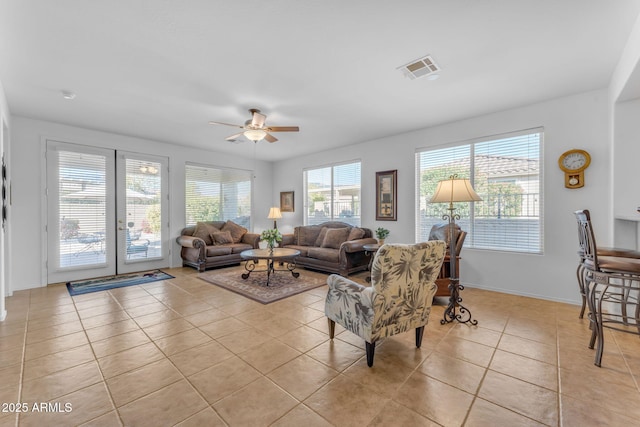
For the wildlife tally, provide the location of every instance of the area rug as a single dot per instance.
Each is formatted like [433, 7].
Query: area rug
[111, 282]
[281, 285]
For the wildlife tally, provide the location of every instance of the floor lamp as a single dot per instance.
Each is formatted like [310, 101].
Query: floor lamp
[274, 214]
[450, 191]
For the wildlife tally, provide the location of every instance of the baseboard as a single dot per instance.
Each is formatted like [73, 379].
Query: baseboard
[3, 315]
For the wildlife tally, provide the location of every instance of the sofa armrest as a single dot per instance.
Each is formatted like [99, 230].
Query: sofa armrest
[287, 239]
[357, 245]
[252, 239]
[190, 242]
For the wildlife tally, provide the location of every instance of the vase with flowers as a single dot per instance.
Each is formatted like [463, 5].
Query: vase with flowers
[271, 237]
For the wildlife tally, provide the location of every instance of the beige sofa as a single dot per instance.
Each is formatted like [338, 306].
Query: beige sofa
[215, 244]
[334, 247]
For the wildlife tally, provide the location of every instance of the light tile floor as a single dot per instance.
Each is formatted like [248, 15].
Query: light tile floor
[184, 352]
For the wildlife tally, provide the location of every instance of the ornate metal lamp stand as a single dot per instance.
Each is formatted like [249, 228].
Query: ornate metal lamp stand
[452, 190]
[455, 310]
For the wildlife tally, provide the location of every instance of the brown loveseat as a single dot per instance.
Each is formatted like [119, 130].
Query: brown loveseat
[215, 244]
[334, 247]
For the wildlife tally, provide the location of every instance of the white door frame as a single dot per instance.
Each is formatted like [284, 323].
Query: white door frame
[115, 240]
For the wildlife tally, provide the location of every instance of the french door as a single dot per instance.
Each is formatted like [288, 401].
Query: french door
[107, 212]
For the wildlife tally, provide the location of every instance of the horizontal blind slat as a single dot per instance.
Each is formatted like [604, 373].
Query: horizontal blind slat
[506, 175]
[217, 194]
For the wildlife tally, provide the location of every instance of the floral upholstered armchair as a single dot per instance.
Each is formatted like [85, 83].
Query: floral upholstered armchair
[399, 298]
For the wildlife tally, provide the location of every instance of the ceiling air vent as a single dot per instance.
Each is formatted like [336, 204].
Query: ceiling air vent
[420, 68]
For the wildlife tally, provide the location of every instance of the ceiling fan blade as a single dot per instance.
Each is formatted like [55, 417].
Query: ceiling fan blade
[257, 121]
[283, 129]
[226, 124]
[234, 137]
[270, 138]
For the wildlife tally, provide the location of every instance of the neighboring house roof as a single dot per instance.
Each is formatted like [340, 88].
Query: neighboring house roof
[498, 166]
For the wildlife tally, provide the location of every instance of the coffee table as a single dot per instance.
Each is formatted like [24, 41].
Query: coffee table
[277, 256]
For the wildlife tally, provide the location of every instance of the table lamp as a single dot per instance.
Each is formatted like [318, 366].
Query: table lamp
[449, 191]
[274, 214]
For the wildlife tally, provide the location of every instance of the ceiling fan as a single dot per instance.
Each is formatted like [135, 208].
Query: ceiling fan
[255, 129]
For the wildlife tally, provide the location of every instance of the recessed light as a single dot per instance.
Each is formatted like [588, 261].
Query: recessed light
[67, 94]
[433, 77]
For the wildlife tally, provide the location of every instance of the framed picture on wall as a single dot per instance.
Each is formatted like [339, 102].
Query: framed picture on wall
[386, 195]
[286, 201]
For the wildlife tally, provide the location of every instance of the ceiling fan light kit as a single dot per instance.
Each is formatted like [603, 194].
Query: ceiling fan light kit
[255, 135]
[255, 129]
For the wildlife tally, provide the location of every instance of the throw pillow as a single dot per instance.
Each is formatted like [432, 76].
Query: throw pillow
[204, 231]
[320, 238]
[356, 233]
[237, 231]
[335, 237]
[307, 235]
[221, 238]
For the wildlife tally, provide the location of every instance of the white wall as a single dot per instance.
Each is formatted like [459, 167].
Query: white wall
[28, 167]
[578, 121]
[624, 98]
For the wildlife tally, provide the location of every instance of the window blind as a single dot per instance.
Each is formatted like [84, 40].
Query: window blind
[332, 193]
[505, 172]
[82, 200]
[217, 194]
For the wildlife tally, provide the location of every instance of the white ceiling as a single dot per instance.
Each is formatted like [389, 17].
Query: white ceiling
[161, 69]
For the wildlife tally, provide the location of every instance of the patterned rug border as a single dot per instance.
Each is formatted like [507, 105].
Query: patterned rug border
[81, 287]
[229, 279]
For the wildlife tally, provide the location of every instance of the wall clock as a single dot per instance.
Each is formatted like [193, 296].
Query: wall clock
[573, 163]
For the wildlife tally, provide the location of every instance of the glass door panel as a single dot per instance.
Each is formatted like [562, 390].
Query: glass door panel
[80, 210]
[142, 224]
[107, 212]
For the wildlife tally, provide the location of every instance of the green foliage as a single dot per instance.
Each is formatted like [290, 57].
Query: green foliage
[153, 217]
[201, 208]
[271, 236]
[382, 233]
[204, 209]
[500, 199]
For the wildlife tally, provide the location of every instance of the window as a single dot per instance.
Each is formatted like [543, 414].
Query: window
[505, 172]
[217, 194]
[332, 193]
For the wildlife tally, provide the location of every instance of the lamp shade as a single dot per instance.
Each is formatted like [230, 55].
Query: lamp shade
[255, 135]
[455, 190]
[274, 213]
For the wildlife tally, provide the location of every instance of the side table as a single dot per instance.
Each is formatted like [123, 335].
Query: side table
[371, 250]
